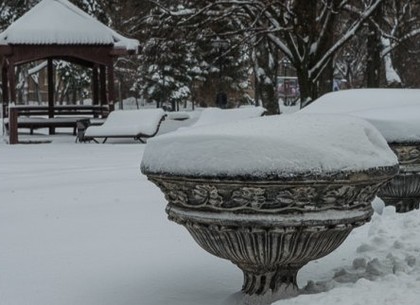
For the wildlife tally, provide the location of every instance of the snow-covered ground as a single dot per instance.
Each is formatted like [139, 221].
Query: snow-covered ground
[79, 224]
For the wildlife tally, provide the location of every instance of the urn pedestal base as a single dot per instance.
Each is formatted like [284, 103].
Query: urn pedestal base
[402, 205]
[261, 282]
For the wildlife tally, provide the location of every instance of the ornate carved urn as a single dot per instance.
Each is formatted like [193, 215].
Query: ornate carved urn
[403, 191]
[271, 228]
[269, 218]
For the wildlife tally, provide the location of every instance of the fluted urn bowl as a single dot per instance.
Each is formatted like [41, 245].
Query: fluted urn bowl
[268, 199]
[403, 191]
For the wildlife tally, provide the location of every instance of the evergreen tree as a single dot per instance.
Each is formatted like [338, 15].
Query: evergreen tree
[176, 56]
[10, 10]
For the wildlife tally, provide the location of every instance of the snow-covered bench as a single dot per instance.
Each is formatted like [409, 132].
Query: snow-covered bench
[210, 116]
[137, 124]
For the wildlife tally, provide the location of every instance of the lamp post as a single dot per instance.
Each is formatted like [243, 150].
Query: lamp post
[285, 63]
[220, 45]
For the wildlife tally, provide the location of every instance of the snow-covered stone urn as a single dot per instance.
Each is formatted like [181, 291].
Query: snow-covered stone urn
[401, 128]
[273, 193]
[395, 113]
[403, 191]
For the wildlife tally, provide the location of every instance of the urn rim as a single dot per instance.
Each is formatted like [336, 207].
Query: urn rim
[377, 173]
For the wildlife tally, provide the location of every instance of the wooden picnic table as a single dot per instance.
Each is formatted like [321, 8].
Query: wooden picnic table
[39, 116]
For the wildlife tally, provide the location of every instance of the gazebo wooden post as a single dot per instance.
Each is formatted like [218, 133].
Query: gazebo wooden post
[4, 87]
[13, 125]
[13, 116]
[95, 87]
[12, 82]
[51, 92]
[102, 80]
[111, 89]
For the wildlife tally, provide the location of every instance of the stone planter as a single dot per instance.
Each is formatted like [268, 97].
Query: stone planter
[403, 191]
[271, 228]
[271, 214]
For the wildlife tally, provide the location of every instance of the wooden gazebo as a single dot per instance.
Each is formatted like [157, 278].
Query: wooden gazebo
[57, 29]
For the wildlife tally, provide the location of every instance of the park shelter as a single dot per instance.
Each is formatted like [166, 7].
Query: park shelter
[57, 29]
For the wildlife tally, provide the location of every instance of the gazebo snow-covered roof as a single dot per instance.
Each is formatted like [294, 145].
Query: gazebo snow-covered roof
[61, 22]
[57, 29]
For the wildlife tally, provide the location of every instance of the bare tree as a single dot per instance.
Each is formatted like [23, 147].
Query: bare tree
[392, 29]
[305, 31]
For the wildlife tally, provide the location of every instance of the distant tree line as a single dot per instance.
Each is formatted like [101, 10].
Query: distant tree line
[192, 49]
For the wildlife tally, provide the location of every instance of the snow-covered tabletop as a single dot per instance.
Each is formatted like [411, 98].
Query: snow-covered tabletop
[270, 146]
[395, 112]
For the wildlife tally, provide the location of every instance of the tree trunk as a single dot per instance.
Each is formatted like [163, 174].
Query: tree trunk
[257, 95]
[269, 98]
[374, 61]
[307, 88]
[326, 79]
[266, 80]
